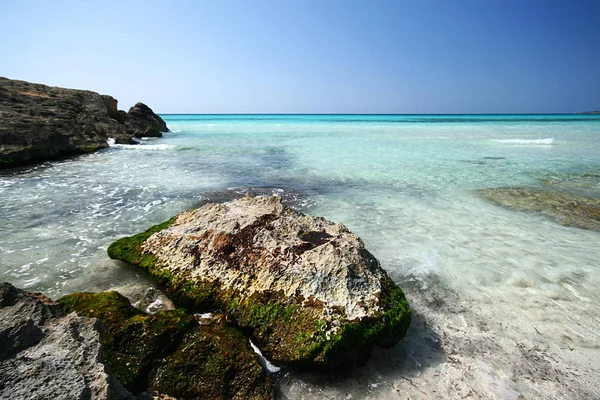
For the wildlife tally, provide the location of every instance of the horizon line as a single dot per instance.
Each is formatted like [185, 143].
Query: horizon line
[398, 114]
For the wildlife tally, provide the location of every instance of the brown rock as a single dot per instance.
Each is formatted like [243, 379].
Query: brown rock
[39, 122]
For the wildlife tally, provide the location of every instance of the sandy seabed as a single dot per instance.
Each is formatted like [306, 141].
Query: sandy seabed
[457, 349]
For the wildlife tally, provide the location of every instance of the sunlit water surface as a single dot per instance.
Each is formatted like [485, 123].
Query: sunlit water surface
[403, 183]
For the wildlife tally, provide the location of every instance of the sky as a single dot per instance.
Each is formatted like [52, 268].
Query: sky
[303, 56]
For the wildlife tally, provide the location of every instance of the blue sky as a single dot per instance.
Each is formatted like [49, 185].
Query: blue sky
[462, 56]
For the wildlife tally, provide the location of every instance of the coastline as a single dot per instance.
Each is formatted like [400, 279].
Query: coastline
[463, 342]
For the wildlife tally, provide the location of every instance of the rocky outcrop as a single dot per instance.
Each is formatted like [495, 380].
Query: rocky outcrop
[46, 354]
[89, 346]
[304, 289]
[142, 122]
[566, 208]
[173, 354]
[39, 122]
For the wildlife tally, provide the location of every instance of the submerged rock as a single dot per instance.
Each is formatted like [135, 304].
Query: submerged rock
[39, 122]
[566, 208]
[47, 354]
[305, 290]
[171, 353]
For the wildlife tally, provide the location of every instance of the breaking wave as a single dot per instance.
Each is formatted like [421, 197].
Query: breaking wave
[143, 146]
[526, 141]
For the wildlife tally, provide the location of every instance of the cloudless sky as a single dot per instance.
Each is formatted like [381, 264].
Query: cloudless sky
[284, 56]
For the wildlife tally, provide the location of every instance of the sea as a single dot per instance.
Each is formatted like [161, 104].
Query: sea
[506, 303]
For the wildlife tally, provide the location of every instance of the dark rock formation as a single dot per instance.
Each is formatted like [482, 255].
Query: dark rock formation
[566, 208]
[171, 353]
[142, 122]
[46, 354]
[213, 361]
[39, 122]
[105, 344]
[304, 289]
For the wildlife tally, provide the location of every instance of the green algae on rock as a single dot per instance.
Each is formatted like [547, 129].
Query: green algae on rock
[214, 362]
[304, 289]
[566, 208]
[156, 350]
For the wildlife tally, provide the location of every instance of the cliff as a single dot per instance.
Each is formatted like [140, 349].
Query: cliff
[40, 123]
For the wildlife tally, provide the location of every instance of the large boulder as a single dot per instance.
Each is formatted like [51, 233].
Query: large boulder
[173, 354]
[39, 122]
[304, 289]
[46, 354]
[143, 122]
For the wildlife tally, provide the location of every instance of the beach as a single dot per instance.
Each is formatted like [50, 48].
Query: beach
[505, 300]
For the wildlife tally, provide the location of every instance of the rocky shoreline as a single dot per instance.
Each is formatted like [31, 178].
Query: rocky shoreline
[98, 346]
[303, 289]
[40, 123]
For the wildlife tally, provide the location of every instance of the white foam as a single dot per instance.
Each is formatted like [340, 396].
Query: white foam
[161, 146]
[266, 364]
[111, 141]
[416, 266]
[31, 282]
[154, 307]
[24, 268]
[547, 141]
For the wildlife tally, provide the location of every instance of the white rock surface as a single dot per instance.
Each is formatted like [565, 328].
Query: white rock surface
[45, 354]
[331, 266]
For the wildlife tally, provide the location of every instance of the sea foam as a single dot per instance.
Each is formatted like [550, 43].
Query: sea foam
[266, 364]
[547, 141]
[161, 146]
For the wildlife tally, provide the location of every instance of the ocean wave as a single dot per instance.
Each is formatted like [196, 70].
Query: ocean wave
[161, 146]
[526, 141]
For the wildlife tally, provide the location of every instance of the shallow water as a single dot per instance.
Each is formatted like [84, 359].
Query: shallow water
[403, 183]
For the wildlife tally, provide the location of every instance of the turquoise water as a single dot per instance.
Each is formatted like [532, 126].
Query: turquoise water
[403, 183]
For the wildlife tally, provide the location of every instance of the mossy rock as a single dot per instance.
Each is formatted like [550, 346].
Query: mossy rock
[142, 349]
[290, 326]
[203, 367]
